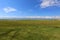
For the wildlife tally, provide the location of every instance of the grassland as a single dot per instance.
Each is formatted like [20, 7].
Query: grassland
[29, 29]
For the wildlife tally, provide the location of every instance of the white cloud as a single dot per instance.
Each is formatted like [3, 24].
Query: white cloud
[48, 3]
[9, 9]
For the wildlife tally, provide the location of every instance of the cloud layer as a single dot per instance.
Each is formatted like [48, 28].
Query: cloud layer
[9, 9]
[43, 17]
[49, 3]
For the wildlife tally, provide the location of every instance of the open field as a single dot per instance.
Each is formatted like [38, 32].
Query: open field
[29, 29]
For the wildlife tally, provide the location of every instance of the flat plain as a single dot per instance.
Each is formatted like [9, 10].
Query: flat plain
[29, 29]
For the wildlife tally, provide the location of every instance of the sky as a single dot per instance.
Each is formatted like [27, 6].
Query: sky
[29, 8]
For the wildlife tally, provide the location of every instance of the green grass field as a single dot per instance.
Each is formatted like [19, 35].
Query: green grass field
[29, 29]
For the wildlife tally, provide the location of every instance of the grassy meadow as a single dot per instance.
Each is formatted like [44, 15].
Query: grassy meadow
[29, 29]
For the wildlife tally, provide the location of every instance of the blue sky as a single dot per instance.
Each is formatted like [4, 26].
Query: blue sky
[29, 7]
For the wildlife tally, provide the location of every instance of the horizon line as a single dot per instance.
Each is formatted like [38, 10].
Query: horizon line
[3, 17]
